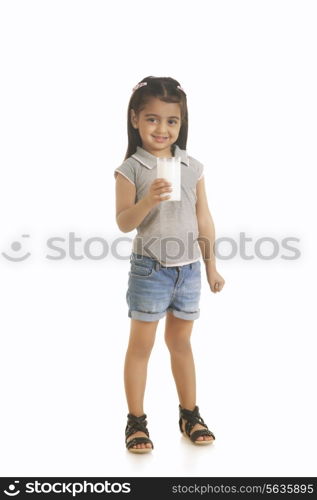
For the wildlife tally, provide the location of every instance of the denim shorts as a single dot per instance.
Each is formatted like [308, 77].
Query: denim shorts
[154, 289]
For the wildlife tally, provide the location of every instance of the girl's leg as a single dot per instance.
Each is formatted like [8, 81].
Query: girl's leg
[141, 341]
[177, 338]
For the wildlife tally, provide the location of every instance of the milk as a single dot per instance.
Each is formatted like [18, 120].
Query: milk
[170, 169]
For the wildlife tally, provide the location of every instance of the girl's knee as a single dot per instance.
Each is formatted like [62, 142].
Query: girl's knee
[142, 338]
[178, 345]
[140, 348]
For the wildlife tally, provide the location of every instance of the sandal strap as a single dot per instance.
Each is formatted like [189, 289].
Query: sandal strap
[200, 432]
[138, 440]
[192, 418]
[136, 424]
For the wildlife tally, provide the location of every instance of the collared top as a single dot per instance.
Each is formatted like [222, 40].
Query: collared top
[169, 231]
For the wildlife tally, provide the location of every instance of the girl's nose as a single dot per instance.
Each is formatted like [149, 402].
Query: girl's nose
[162, 132]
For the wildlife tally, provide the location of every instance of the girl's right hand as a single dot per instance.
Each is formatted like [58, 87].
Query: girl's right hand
[158, 186]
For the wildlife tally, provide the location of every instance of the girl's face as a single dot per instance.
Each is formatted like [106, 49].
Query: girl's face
[159, 124]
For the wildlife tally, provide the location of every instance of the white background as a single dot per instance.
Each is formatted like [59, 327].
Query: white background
[68, 68]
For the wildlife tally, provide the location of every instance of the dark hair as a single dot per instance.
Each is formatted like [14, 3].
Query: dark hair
[165, 89]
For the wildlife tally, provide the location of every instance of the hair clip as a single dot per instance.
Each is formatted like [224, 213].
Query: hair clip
[138, 85]
[181, 88]
[141, 84]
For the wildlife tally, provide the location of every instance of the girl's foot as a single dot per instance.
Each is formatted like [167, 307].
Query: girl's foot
[193, 426]
[137, 435]
[139, 446]
[197, 427]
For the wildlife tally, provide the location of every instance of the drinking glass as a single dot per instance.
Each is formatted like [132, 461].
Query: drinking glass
[170, 169]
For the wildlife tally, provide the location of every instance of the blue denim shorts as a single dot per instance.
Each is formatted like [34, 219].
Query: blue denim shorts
[154, 289]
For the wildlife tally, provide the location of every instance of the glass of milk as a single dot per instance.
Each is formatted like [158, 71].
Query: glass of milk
[170, 169]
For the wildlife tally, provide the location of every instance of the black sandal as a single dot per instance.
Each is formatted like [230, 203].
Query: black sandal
[137, 424]
[192, 418]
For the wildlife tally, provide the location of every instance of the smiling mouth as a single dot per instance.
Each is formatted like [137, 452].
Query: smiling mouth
[159, 138]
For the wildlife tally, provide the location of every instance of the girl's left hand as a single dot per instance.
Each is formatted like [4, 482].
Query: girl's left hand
[216, 281]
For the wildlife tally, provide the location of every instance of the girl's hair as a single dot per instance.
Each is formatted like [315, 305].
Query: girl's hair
[165, 89]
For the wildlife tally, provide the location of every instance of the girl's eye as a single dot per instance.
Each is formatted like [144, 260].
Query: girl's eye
[170, 121]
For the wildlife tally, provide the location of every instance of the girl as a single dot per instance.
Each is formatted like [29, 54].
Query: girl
[160, 281]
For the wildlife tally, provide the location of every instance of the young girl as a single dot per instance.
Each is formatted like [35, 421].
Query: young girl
[163, 282]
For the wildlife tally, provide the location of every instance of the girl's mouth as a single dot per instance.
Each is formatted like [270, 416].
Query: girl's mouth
[159, 138]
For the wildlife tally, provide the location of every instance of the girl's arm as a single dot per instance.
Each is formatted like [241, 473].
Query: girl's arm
[206, 239]
[129, 214]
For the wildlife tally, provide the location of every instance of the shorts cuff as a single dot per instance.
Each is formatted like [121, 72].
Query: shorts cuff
[185, 315]
[143, 316]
